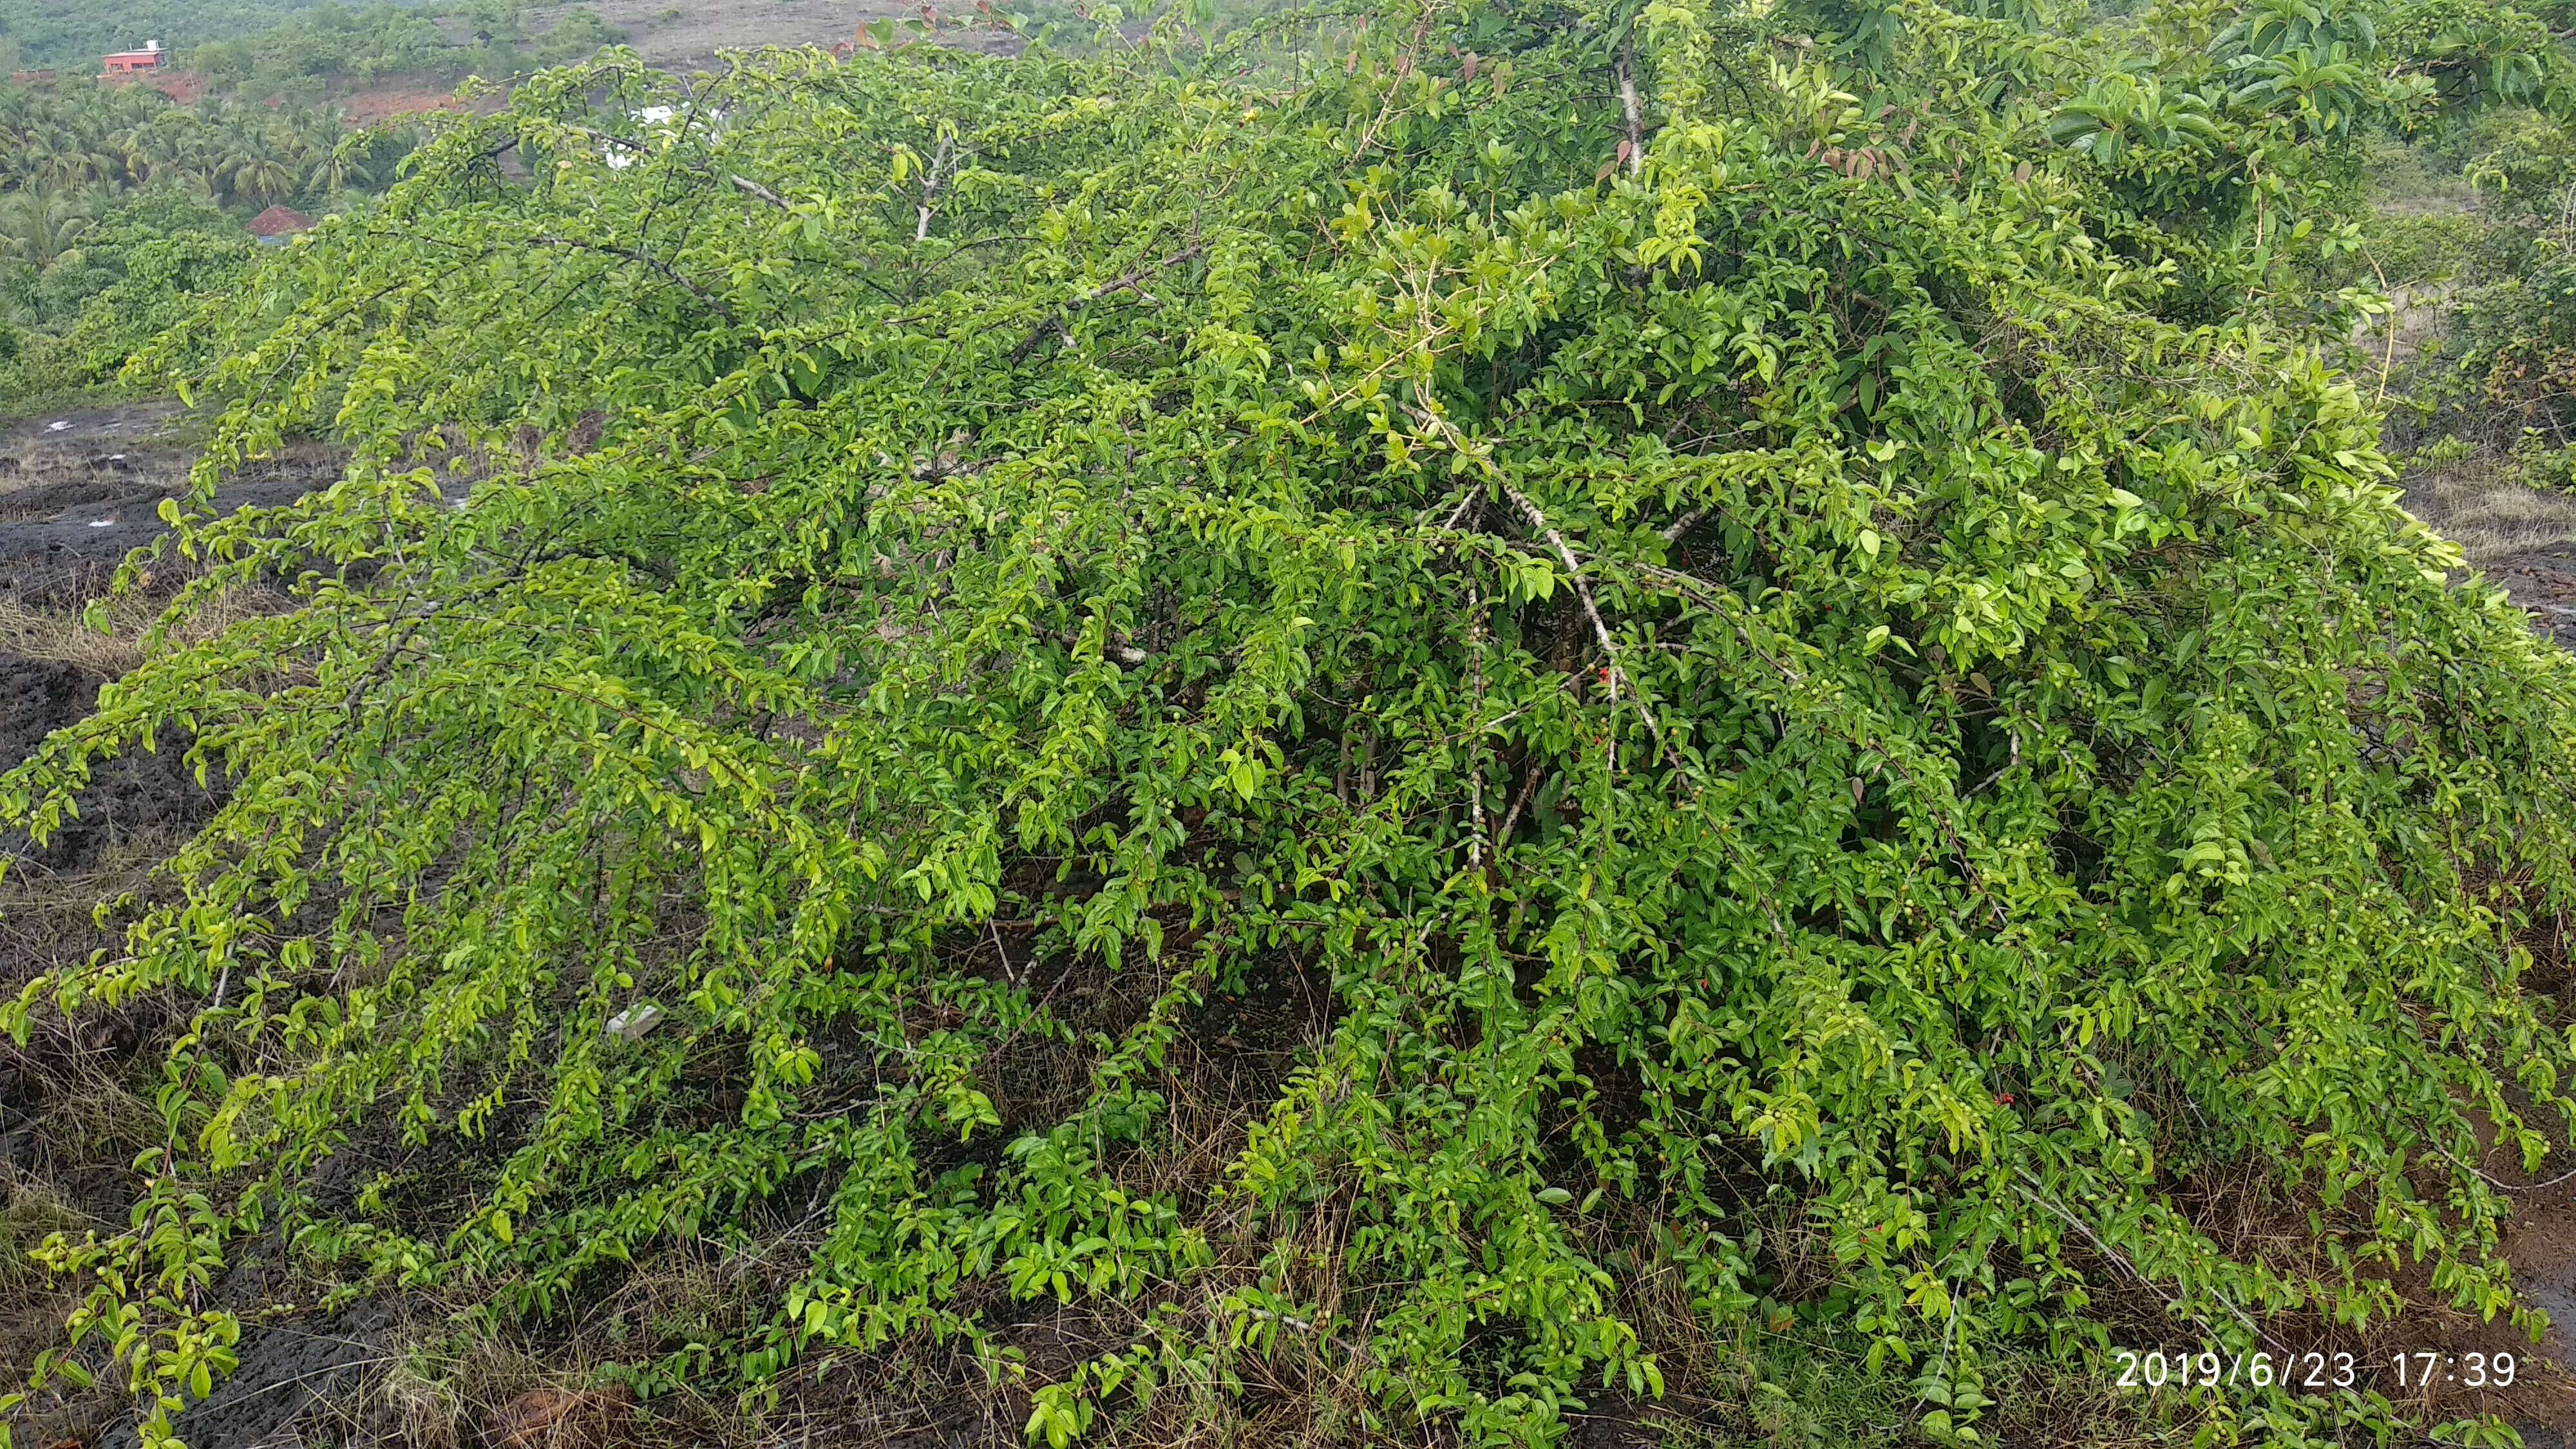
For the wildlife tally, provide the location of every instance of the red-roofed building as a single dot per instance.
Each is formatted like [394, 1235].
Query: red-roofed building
[137, 62]
[276, 224]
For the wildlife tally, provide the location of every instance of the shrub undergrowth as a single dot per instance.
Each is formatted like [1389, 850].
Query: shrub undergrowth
[1808, 646]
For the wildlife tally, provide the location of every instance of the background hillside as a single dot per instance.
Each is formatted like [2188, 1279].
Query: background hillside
[49, 33]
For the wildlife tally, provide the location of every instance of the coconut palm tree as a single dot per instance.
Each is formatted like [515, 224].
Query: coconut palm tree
[37, 227]
[257, 174]
[341, 167]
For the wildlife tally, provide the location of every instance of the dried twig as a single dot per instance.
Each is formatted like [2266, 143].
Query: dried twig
[1404, 67]
[1476, 745]
[749, 187]
[931, 181]
[2033, 1189]
[1573, 566]
[1520, 802]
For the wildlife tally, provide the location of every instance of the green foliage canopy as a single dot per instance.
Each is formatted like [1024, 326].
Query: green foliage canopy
[1799, 677]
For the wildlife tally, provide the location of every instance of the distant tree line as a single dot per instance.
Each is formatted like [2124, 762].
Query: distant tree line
[117, 202]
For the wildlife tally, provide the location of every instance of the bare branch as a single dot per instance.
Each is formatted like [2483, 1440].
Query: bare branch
[1573, 566]
[1520, 802]
[1628, 104]
[1583, 591]
[931, 181]
[743, 184]
[749, 187]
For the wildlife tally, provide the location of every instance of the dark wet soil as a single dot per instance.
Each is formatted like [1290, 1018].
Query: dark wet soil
[135, 796]
[78, 492]
[69, 515]
[287, 1372]
[135, 421]
[2544, 583]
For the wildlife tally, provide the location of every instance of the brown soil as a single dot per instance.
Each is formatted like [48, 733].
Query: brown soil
[379, 104]
[2524, 541]
[2541, 1244]
[182, 86]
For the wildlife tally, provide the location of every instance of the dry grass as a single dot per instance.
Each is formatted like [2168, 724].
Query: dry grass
[67, 638]
[2479, 503]
[71, 1124]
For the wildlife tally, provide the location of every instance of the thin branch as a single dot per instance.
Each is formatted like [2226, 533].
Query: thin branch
[1520, 802]
[1710, 595]
[1466, 504]
[1055, 320]
[1404, 67]
[743, 184]
[931, 180]
[1573, 566]
[1583, 591]
[665, 269]
[1476, 746]
[749, 187]
[2033, 1189]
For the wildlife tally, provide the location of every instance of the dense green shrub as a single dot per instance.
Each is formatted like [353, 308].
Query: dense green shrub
[92, 174]
[140, 268]
[1791, 700]
[2511, 352]
[2424, 249]
[147, 266]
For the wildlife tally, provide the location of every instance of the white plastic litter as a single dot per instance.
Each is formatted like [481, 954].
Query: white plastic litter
[635, 1021]
[57, 425]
